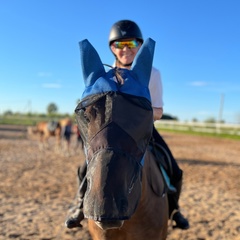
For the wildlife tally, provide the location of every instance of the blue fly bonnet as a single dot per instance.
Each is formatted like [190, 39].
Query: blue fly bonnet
[136, 80]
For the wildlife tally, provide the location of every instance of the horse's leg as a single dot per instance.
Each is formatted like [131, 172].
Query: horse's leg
[64, 146]
[57, 146]
[67, 144]
[41, 143]
[58, 140]
[46, 141]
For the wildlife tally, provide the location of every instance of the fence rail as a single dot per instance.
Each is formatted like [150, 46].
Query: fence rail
[218, 128]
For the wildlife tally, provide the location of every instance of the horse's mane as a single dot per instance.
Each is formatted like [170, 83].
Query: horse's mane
[117, 73]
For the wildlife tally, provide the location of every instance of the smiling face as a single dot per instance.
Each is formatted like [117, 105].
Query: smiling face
[125, 55]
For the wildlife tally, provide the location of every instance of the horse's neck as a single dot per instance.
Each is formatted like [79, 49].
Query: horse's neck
[152, 181]
[152, 211]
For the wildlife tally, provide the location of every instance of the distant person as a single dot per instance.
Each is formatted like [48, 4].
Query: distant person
[125, 40]
[67, 134]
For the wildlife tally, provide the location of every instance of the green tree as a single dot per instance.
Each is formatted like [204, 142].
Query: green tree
[210, 120]
[8, 112]
[52, 108]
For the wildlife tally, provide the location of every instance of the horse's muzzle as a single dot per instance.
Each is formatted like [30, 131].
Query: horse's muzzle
[105, 225]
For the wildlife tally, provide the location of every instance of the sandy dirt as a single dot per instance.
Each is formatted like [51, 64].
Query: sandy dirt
[38, 187]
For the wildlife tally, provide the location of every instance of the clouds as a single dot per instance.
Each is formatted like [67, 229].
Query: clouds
[198, 83]
[49, 85]
[220, 87]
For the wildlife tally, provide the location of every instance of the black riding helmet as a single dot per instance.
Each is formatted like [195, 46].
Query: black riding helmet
[125, 29]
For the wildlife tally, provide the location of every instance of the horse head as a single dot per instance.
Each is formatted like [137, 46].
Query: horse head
[115, 121]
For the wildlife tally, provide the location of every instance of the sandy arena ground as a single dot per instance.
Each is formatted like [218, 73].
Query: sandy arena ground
[37, 188]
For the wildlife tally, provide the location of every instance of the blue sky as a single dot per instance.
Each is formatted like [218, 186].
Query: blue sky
[197, 51]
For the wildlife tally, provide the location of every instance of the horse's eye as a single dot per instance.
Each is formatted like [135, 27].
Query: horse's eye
[95, 111]
[84, 115]
[86, 118]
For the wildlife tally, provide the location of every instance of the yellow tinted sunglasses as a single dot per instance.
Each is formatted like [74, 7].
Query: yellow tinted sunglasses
[130, 44]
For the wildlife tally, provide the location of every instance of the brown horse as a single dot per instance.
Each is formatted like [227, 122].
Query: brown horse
[47, 130]
[125, 197]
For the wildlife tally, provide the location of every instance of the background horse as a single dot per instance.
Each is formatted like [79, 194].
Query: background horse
[125, 198]
[61, 131]
[47, 129]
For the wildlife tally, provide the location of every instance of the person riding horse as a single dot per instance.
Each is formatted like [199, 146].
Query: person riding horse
[125, 40]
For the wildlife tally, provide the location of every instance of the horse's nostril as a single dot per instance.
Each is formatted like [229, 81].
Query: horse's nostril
[105, 225]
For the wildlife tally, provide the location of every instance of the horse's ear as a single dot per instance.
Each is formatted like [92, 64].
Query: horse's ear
[92, 67]
[142, 64]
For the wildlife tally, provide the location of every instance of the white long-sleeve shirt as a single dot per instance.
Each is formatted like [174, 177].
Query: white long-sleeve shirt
[155, 88]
